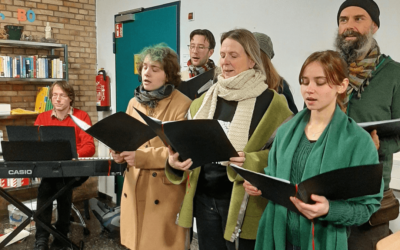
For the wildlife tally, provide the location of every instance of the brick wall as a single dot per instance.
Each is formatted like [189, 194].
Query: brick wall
[73, 23]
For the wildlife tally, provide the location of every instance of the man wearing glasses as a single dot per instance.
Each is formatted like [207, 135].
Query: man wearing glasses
[201, 48]
[62, 97]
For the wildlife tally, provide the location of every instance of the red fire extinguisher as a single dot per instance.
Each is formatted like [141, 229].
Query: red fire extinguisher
[103, 91]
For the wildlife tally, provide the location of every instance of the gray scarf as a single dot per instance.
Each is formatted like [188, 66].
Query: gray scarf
[151, 98]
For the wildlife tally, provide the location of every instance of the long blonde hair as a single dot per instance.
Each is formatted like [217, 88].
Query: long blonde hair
[274, 80]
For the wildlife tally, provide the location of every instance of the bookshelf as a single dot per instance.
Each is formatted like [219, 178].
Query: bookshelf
[19, 116]
[37, 45]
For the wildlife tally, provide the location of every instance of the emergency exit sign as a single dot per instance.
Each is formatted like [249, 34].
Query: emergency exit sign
[118, 30]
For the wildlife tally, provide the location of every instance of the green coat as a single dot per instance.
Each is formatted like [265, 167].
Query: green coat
[256, 160]
[381, 101]
[342, 144]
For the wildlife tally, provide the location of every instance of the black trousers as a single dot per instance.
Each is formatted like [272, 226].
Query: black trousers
[211, 216]
[49, 187]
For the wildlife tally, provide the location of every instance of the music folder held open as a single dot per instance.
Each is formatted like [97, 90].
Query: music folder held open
[204, 141]
[119, 131]
[340, 184]
[196, 86]
[383, 128]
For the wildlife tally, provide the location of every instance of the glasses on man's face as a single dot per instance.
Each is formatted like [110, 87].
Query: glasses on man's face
[199, 48]
[62, 96]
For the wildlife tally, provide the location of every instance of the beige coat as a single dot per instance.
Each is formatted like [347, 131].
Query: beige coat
[149, 201]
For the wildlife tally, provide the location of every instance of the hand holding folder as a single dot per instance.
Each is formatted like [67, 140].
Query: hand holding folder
[340, 184]
[203, 141]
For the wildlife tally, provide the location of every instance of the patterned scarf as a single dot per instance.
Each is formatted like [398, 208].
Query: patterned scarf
[360, 73]
[194, 71]
[151, 98]
[243, 88]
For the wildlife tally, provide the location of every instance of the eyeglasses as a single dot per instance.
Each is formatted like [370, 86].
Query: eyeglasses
[199, 48]
[62, 96]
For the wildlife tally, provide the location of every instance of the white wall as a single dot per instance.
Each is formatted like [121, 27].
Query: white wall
[297, 28]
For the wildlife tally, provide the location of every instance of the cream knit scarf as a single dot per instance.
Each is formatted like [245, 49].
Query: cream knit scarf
[243, 88]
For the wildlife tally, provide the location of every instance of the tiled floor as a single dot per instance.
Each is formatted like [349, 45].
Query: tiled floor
[97, 239]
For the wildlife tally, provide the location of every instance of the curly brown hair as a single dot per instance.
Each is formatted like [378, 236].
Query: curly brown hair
[167, 58]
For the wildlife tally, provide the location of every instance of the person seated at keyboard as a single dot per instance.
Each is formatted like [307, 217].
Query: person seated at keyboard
[62, 97]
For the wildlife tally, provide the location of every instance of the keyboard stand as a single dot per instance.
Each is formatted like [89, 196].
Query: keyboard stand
[34, 216]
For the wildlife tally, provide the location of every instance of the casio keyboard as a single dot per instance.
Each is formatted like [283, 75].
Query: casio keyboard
[82, 167]
[53, 169]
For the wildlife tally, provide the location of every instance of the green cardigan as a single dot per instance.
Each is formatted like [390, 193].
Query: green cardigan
[381, 101]
[342, 144]
[256, 160]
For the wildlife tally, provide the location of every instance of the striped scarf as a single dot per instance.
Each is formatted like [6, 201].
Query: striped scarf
[194, 71]
[360, 73]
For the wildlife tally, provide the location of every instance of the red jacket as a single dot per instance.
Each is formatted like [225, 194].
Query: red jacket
[84, 142]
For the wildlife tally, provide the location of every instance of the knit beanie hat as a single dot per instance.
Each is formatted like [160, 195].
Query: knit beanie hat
[265, 44]
[368, 5]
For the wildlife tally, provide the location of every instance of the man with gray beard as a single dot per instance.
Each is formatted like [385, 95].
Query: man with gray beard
[373, 94]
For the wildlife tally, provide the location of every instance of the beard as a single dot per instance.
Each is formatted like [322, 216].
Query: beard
[352, 50]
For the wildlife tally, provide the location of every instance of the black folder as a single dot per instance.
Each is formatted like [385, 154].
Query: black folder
[204, 141]
[59, 134]
[39, 143]
[23, 133]
[340, 184]
[383, 128]
[36, 151]
[196, 86]
[119, 131]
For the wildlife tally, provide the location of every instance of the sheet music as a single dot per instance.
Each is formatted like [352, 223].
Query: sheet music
[205, 87]
[83, 125]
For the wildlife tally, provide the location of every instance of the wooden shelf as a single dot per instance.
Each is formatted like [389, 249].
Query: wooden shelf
[33, 80]
[28, 44]
[13, 117]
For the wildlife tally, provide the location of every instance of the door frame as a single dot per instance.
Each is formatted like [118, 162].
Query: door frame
[178, 23]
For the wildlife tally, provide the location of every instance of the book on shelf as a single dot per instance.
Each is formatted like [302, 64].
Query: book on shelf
[41, 98]
[23, 67]
[5, 109]
[49, 104]
[1, 67]
[339, 184]
[36, 66]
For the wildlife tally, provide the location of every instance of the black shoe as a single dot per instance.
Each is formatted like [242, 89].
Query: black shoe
[58, 245]
[41, 244]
